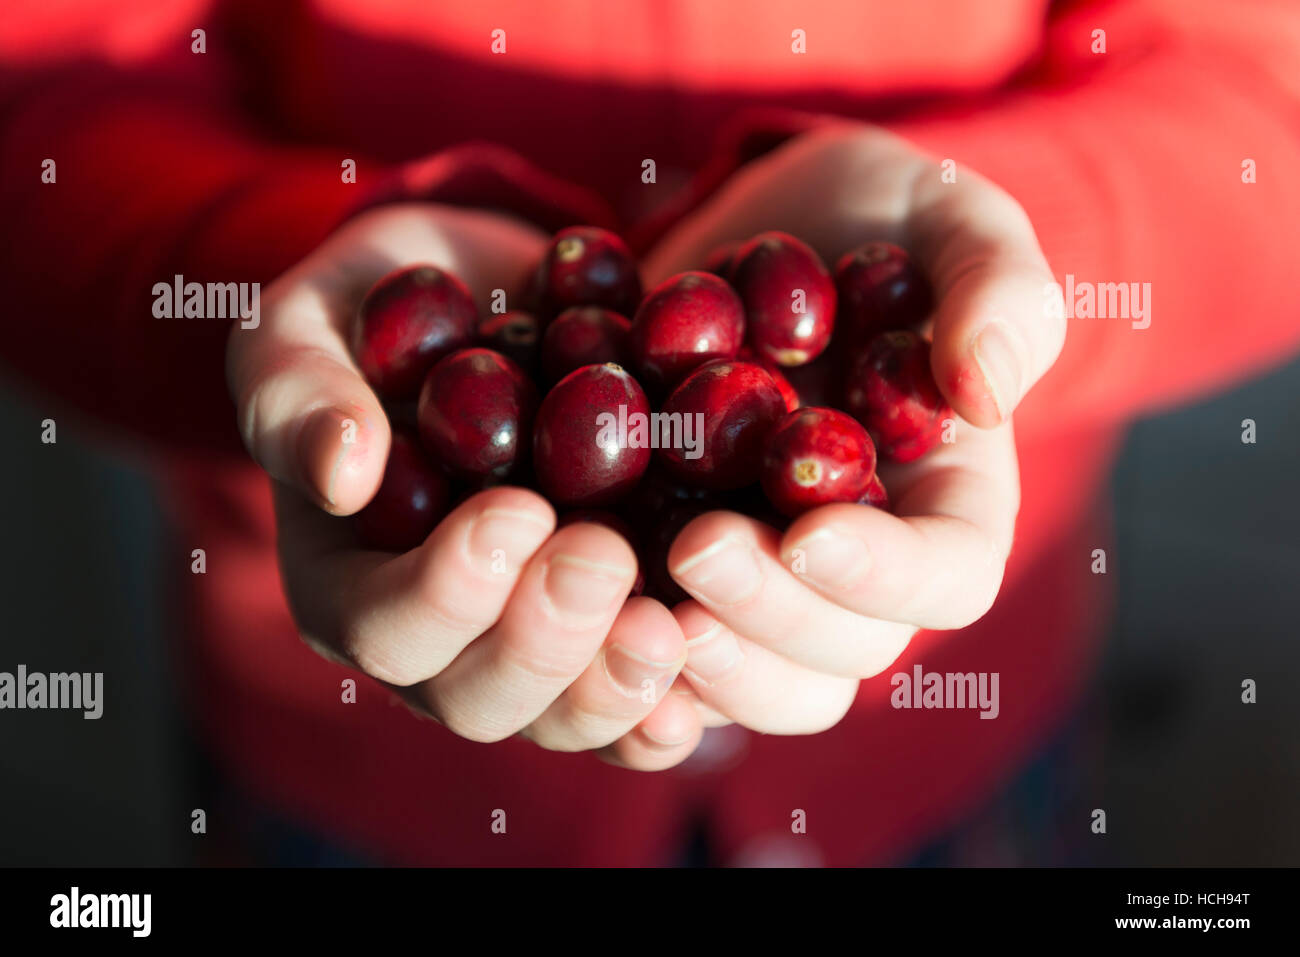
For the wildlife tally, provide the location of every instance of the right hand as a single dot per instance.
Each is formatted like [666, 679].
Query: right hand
[498, 624]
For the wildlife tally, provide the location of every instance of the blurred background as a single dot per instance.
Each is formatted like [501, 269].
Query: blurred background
[1207, 565]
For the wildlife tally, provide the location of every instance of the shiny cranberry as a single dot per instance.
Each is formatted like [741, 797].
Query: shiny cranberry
[579, 456]
[787, 390]
[876, 496]
[412, 498]
[610, 521]
[584, 336]
[476, 412]
[815, 457]
[880, 288]
[788, 295]
[517, 335]
[407, 322]
[890, 390]
[727, 409]
[720, 261]
[684, 322]
[586, 266]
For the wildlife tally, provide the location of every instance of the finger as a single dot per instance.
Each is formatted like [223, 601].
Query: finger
[730, 563]
[709, 717]
[755, 687]
[558, 616]
[403, 619]
[639, 662]
[305, 413]
[666, 738]
[998, 325]
[938, 561]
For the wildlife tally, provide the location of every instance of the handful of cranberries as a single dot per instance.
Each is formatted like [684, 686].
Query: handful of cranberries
[642, 411]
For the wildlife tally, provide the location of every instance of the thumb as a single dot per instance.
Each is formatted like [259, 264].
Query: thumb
[305, 413]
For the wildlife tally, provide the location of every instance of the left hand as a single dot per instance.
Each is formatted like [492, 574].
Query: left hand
[782, 652]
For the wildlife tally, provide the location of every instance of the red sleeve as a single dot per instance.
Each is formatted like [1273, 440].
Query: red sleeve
[158, 174]
[1130, 165]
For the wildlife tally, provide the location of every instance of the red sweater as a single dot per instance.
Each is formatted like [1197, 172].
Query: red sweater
[225, 166]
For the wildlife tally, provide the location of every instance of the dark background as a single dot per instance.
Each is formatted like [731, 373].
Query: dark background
[1208, 575]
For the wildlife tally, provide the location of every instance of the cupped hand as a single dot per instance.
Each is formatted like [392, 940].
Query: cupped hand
[781, 627]
[498, 624]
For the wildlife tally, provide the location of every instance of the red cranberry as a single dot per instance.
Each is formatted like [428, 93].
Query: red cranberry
[880, 288]
[788, 392]
[876, 496]
[738, 403]
[517, 335]
[684, 322]
[816, 457]
[586, 266]
[720, 261]
[583, 336]
[412, 498]
[407, 322]
[476, 410]
[890, 390]
[578, 457]
[611, 521]
[788, 295]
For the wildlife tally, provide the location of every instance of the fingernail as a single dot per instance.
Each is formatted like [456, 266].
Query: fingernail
[584, 588]
[831, 558]
[502, 539]
[635, 675]
[725, 573]
[714, 655]
[329, 435]
[997, 353]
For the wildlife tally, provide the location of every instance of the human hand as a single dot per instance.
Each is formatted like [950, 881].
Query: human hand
[782, 651]
[498, 624]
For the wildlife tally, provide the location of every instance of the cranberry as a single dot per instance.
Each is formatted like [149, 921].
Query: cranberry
[476, 410]
[583, 336]
[880, 288]
[891, 391]
[739, 403]
[788, 295]
[586, 266]
[684, 322]
[788, 392]
[611, 521]
[720, 261]
[407, 322]
[517, 335]
[578, 457]
[412, 499]
[815, 457]
[876, 496]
